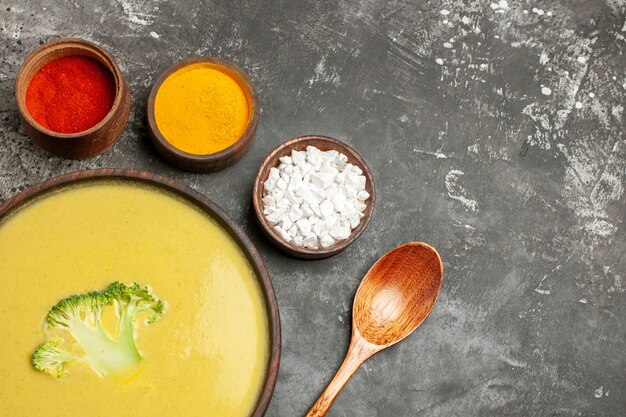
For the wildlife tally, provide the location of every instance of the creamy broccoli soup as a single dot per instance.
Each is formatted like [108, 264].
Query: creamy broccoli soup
[200, 332]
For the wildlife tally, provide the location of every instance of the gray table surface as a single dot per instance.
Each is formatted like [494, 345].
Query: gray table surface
[521, 189]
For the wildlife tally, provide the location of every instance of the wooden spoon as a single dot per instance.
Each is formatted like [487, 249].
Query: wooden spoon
[394, 298]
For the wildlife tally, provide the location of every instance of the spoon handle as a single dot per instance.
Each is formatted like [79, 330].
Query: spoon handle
[358, 352]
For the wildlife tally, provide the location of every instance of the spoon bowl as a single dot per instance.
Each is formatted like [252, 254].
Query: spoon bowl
[397, 293]
[393, 299]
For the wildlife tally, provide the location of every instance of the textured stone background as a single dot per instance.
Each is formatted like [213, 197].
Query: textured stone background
[521, 191]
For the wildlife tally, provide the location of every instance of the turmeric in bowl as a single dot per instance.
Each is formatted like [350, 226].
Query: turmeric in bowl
[202, 108]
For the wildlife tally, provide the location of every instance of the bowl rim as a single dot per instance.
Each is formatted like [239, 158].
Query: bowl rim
[257, 195]
[209, 207]
[64, 43]
[244, 140]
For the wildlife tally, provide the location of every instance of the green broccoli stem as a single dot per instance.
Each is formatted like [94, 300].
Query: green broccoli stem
[105, 355]
[126, 327]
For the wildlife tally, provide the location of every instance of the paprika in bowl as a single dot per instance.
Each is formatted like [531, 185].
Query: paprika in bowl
[72, 98]
[202, 114]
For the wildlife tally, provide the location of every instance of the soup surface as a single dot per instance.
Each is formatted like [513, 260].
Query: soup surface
[206, 356]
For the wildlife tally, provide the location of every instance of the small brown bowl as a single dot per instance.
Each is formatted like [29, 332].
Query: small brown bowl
[214, 161]
[300, 143]
[90, 142]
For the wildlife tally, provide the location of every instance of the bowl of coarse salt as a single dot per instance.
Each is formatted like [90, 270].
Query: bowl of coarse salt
[313, 196]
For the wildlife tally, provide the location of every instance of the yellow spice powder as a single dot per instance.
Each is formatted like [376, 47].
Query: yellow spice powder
[201, 110]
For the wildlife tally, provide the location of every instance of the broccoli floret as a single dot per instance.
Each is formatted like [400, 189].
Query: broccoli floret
[51, 357]
[81, 317]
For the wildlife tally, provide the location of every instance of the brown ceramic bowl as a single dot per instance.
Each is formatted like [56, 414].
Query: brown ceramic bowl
[90, 142]
[207, 206]
[323, 143]
[214, 161]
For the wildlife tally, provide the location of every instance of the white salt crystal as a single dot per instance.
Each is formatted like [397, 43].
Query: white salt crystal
[348, 210]
[304, 226]
[331, 191]
[359, 182]
[281, 184]
[340, 232]
[321, 228]
[313, 156]
[310, 241]
[276, 193]
[291, 197]
[295, 214]
[316, 210]
[285, 222]
[354, 221]
[274, 174]
[283, 204]
[305, 168]
[321, 180]
[326, 208]
[295, 183]
[285, 160]
[331, 221]
[283, 234]
[362, 195]
[298, 157]
[347, 168]
[275, 216]
[326, 241]
[268, 201]
[339, 201]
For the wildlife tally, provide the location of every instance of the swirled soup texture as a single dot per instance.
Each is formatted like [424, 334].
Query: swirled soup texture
[207, 356]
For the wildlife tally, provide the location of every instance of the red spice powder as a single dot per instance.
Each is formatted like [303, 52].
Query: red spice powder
[70, 94]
